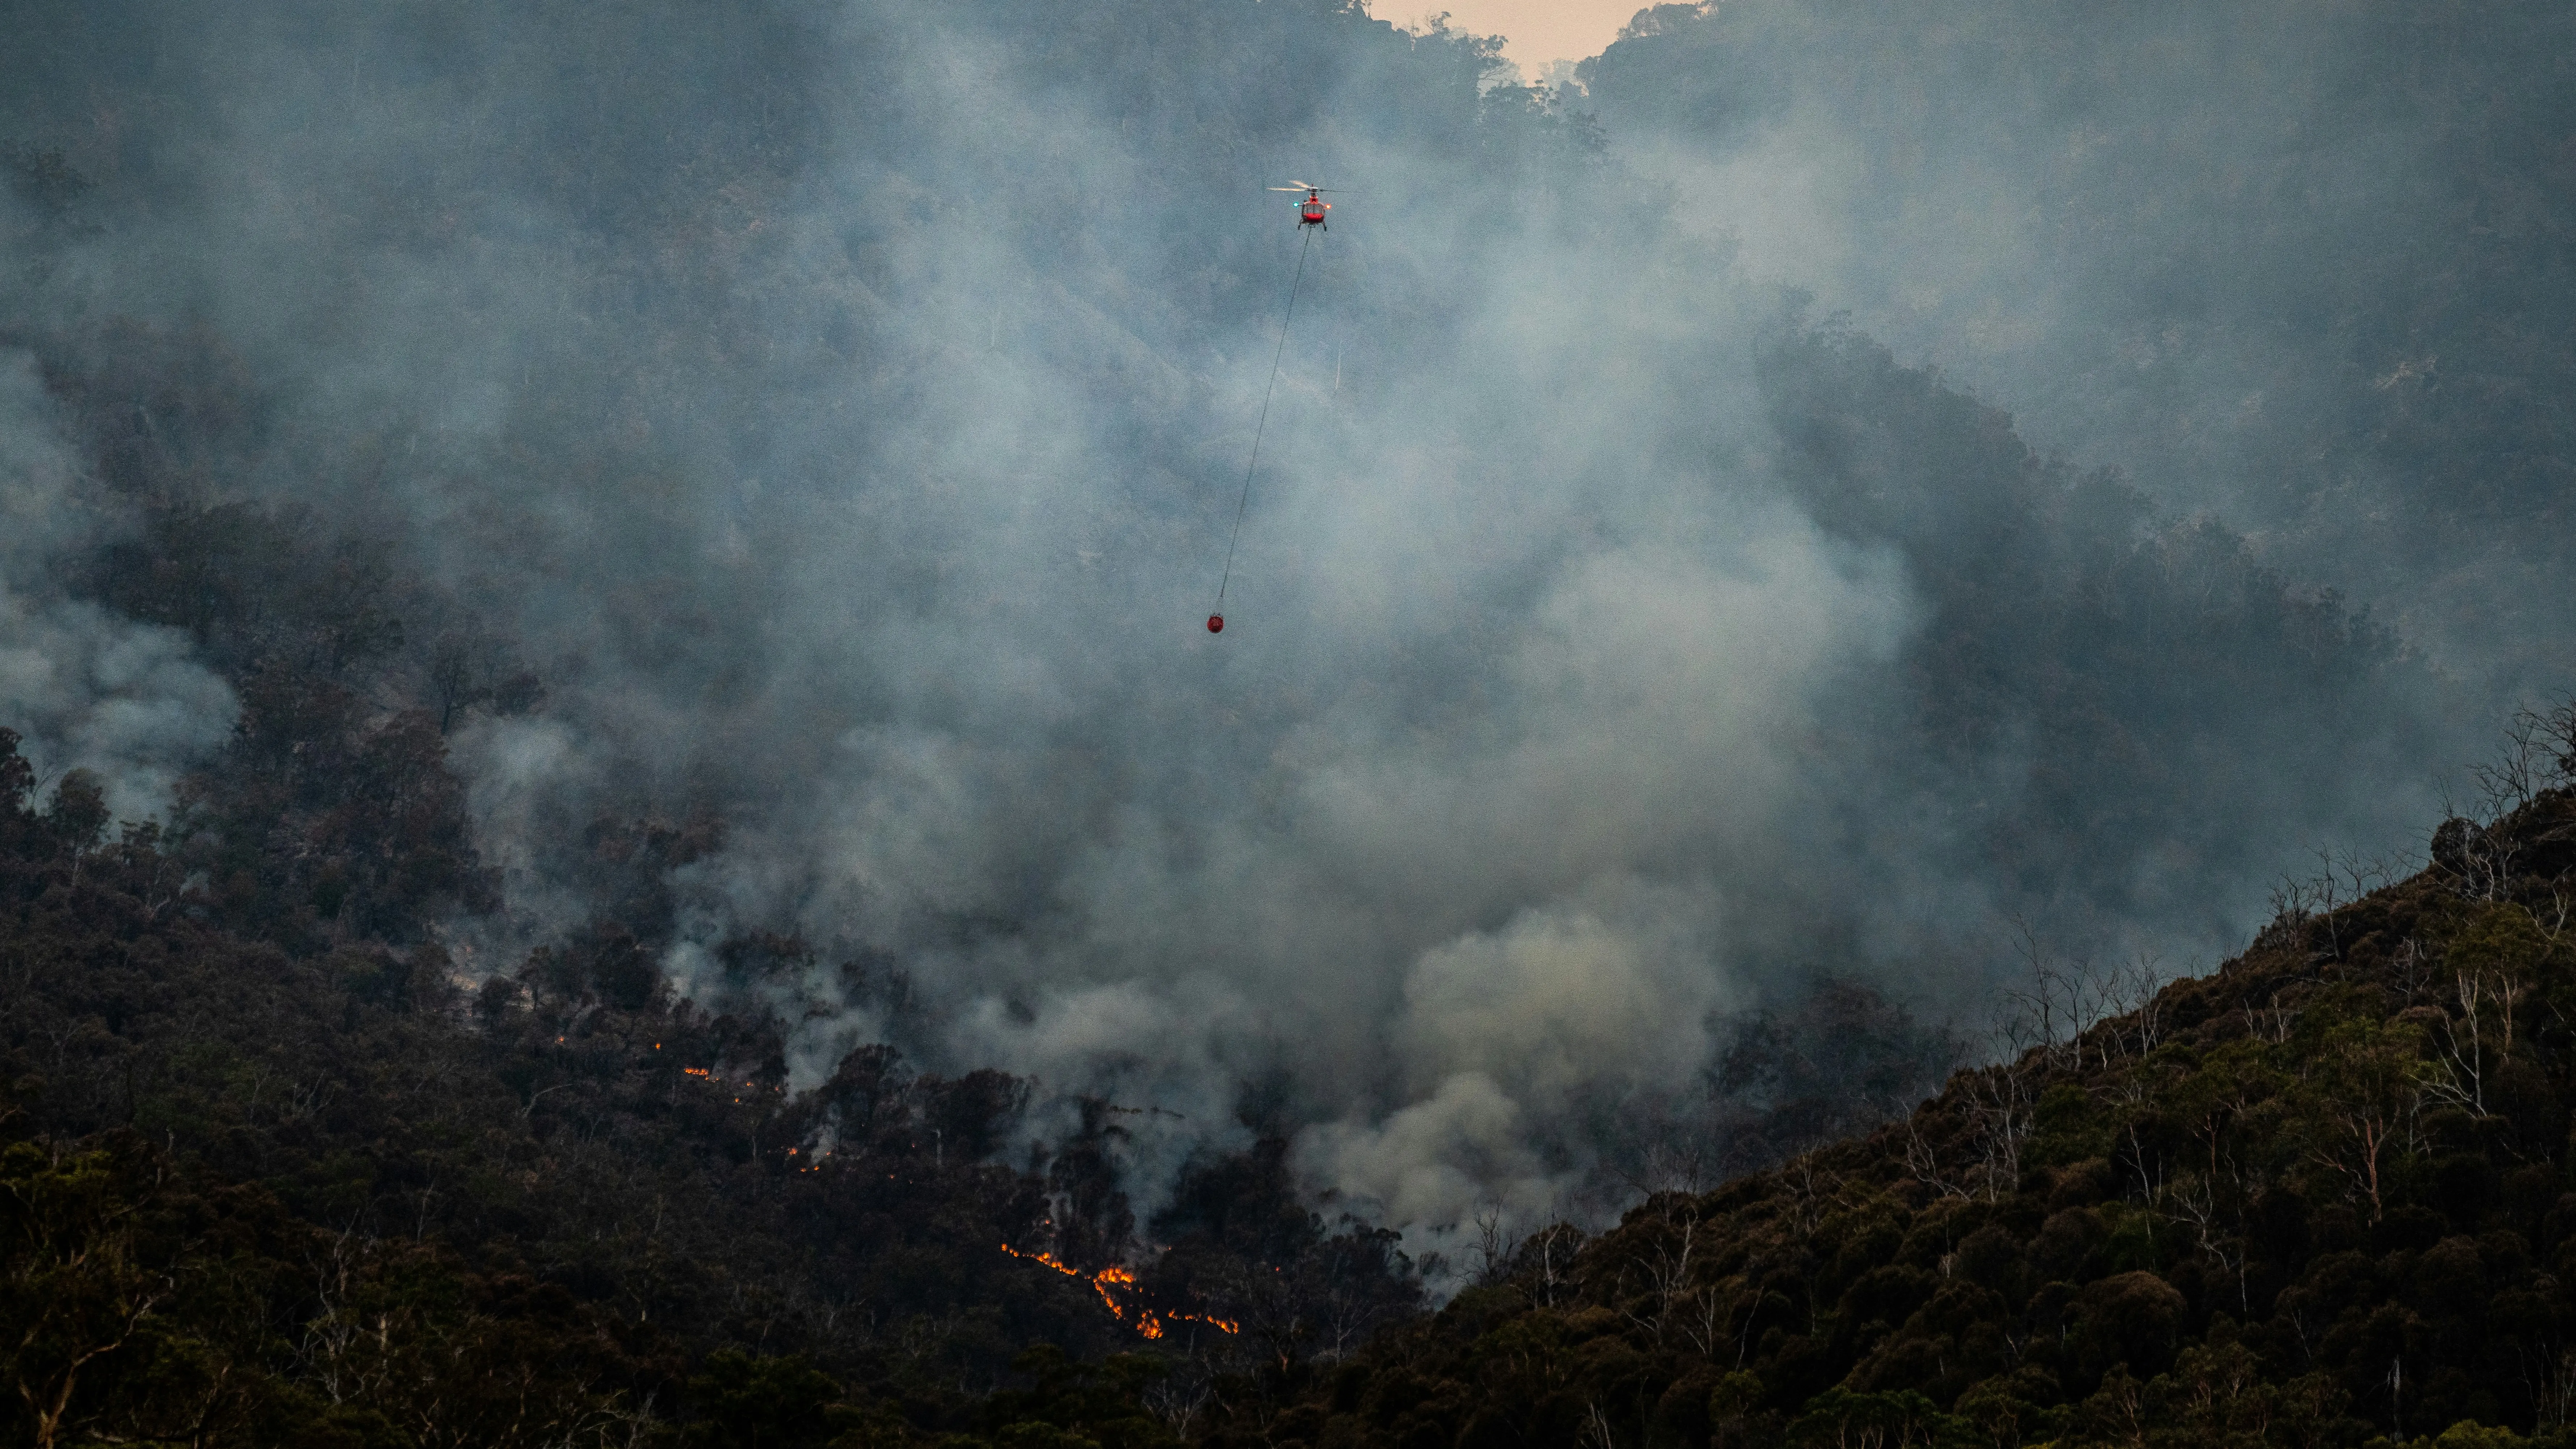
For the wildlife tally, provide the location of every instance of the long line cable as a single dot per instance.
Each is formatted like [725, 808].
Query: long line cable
[1240, 503]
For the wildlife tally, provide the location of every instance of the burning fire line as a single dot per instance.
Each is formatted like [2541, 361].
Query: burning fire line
[1148, 1322]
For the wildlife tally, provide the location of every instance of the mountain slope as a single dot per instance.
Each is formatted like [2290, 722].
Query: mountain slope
[264, 1185]
[2318, 1196]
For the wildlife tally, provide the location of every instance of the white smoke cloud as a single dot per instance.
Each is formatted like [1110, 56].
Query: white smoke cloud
[1433, 1162]
[1559, 998]
[87, 689]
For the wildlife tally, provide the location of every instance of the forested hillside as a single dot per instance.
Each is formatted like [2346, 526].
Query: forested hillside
[2321, 1196]
[617, 825]
[283, 1183]
[269, 1187]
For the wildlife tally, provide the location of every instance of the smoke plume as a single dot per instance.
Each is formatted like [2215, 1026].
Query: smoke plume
[842, 410]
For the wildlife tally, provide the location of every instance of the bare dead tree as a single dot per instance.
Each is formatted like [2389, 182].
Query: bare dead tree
[2550, 1373]
[1924, 1163]
[2129, 996]
[1667, 1270]
[1708, 1320]
[2538, 753]
[1546, 1262]
[1178, 1402]
[1807, 1192]
[2468, 1046]
[2298, 904]
[2195, 1201]
[1496, 1245]
[2477, 862]
[1596, 1428]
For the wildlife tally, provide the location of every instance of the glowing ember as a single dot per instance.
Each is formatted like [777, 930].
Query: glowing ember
[1148, 1323]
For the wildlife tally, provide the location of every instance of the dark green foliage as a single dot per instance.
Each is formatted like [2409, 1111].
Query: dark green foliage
[2319, 1196]
[1900, 1420]
[144, 1299]
[765, 1403]
[1072, 1404]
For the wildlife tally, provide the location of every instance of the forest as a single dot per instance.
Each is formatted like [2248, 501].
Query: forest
[274, 1178]
[1841, 804]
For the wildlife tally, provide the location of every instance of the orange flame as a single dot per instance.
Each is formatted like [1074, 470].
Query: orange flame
[1147, 1322]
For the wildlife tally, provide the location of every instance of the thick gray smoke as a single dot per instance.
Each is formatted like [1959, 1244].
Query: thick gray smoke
[843, 408]
[2301, 266]
[86, 690]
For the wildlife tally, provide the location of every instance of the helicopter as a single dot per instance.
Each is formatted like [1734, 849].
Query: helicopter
[1310, 212]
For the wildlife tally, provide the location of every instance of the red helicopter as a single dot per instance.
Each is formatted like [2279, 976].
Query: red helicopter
[1310, 212]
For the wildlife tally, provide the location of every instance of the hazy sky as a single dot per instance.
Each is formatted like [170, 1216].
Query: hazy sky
[1538, 31]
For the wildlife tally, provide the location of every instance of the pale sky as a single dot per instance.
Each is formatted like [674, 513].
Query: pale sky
[1537, 31]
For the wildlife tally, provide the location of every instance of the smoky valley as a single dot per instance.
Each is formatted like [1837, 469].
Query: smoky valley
[843, 724]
